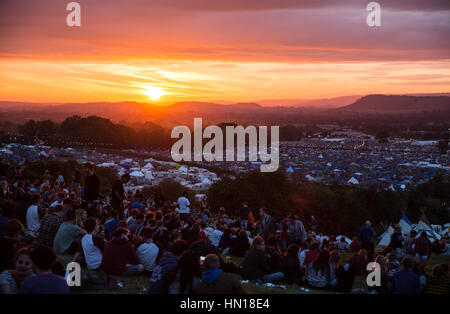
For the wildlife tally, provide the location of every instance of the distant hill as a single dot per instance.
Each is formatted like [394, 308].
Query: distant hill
[322, 103]
[395, 104]
[204, 107]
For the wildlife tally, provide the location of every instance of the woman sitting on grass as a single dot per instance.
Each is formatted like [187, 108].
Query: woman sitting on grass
[318, 273]
[11, 280]
[290, 265]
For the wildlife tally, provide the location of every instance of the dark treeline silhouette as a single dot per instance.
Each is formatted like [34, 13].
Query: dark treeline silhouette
[94, 131]
[336, 207]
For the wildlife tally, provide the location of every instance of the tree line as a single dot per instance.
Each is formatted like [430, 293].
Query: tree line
[338, 208]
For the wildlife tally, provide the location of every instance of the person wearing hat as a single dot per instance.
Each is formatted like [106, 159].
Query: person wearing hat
[366, 235]
[91, 184]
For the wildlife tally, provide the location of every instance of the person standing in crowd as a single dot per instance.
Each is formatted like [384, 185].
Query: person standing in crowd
[284, 233]
[422, 248]
[118, 195]
[60, 179]
[268, 226]
[408, 244]
[91, 184]
[297, 231]
[397, 241]
[366, 235]
[314, 224]
[183, 206]
[216, 281]
[76, 180]
[243, 215]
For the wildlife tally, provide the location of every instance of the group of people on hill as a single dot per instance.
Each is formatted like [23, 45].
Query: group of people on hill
[181, 248]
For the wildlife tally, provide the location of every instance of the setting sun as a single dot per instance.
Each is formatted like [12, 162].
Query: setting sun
[154, 92]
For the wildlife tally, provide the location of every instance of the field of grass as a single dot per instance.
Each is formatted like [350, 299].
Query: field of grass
[139, 284]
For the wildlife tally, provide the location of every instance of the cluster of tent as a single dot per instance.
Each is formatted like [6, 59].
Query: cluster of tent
[434, 233]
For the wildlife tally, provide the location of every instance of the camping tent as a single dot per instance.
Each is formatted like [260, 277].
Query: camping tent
[423, 227]
[137, 174]
[386, 237]
[148, 166]
[405, 224]
[353, 181]
[338, 238]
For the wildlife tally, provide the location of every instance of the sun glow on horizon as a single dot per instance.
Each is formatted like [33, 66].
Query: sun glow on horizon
[154, 92]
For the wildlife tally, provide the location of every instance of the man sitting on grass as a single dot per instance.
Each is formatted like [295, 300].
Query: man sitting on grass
[255, 265]
[119, 256]
[68, 235]
[215, 281]
[147, 252]
[92, 244]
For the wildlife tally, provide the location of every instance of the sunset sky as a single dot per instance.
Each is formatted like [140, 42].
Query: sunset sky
[228, 50]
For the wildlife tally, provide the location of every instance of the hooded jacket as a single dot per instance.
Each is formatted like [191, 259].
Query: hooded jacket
[215, 281]
[163, 274]
[116, 255]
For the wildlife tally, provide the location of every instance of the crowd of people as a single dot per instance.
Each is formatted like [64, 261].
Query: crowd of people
[182, 248]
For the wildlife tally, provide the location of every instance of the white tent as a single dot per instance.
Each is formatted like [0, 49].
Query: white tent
[137, 174]
[183, 169]
[437, 228]
[148, 166]
[405, 224]
[353, 181]
[310, 178]
[289, 170]
[126, 161]
[445, 232]
[200, 197]
[6, 151]
[206, 181]
[148, 175]
[422, 226]
[107, 164]
[338, 238]
[386, 237]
